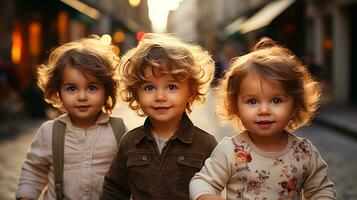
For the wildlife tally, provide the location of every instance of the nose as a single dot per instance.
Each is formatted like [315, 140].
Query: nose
[264, 109]
[82, 95]
[161, 95]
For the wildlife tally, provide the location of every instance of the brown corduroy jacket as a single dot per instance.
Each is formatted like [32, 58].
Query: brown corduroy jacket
[141, 172]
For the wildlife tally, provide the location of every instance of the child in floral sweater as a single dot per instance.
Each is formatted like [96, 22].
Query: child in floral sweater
[268, 93]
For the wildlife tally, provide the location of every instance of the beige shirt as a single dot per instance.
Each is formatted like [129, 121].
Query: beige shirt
[87, 157]
[247, 172]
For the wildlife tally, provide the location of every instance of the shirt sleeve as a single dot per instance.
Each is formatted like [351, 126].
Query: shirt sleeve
[35, 168]
[215, 173]
[116, 184]
[317, 184]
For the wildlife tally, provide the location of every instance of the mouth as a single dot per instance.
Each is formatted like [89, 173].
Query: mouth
[264, 123]
[161, 108]
[82, 107]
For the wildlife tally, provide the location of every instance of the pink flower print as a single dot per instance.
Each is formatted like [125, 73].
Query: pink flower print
[278, 161]
[254, 185]
[242, 157]
[289, 185]
[304, 146]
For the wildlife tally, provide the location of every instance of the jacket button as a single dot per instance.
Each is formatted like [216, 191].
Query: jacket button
[145, 158]
[181, 157]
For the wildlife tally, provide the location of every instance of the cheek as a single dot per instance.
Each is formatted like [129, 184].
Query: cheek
[245, 114]
[64, 97]
[143, 100]
[285, 114]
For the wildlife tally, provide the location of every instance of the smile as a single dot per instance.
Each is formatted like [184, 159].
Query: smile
[161, 108]
[264, 124]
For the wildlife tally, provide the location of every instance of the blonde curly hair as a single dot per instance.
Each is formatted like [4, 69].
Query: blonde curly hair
[271, 62]
[89, 55]
[168, 55]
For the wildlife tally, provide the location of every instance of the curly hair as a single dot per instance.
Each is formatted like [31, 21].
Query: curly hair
[89, 55]
[272, 62]
[168, 55]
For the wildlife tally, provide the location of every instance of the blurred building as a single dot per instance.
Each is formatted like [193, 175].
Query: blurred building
[320, 32]
[31, 28]
[331, 26]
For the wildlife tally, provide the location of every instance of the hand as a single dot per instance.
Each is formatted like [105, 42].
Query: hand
[210, 197]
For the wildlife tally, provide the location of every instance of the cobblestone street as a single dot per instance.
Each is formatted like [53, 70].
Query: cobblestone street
[337, 150]
[12, 153]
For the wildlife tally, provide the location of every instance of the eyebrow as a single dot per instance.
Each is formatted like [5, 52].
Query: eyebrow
[174, 80]
[70, 83]
[274, 95]
[248, 96]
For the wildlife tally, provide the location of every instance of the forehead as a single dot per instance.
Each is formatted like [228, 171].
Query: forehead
[155, 71]
[255, 84]
[76, 73]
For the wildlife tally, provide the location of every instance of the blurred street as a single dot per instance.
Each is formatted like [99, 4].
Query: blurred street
[320, 33]
[337, 149]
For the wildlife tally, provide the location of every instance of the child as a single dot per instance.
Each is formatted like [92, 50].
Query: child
[162, 77]
[80, 79]
[269, 94]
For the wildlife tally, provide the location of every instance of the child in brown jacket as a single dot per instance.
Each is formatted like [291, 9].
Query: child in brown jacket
[162, 78]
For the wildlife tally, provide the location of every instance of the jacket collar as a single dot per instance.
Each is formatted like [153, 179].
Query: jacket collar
[184, 132]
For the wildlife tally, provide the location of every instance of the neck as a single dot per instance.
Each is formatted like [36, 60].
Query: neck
[84, 123]
[270, 143]
[165, 129]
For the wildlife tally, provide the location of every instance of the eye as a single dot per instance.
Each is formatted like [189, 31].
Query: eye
[92, 87]
[149, 88]
[71, 88]
[252, 101]
[172, 87]
[276, 101]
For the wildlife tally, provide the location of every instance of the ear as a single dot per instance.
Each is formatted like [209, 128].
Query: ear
[294, 112]
[191, 98]
[237, 112]
[193, 94]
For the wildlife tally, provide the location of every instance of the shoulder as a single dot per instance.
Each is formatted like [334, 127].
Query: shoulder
[204, 137]
[227, 143]
[201, 133]
[224, 150]
[302, 149]
[302, 145]
[132, 136]
[46, 128]
[43, 136]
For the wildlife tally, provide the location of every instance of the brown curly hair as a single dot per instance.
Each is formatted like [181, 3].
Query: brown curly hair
[271, 62]
[168, 55]
[89, 55]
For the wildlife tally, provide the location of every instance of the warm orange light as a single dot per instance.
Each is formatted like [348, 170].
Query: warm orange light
[328, 44]
[62, 25]
[16, 45]
[116, 49]
[119, 36]
[35, 38]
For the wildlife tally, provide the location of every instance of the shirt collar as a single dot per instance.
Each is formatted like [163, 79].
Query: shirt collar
[184, 132]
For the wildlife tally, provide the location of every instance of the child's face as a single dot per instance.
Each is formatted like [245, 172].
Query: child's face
[163, 98]
[263, 106]
[82, 96]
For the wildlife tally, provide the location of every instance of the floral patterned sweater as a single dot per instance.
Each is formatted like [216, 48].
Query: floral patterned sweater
[247, 172]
